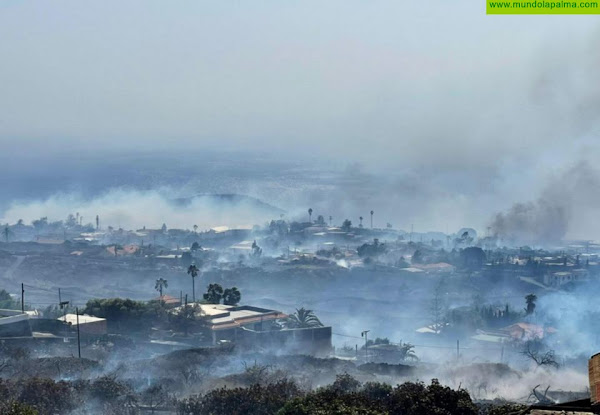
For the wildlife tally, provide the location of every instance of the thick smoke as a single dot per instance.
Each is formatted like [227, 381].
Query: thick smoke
[564, 209]
[532, 222]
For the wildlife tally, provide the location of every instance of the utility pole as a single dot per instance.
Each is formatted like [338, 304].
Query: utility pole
[365, 334]
[22, 297]
[62, 305]
[78, 337]
[457, 350]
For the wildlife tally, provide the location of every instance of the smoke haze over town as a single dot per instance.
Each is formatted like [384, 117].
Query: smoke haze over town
[297, 207]
[90, 89]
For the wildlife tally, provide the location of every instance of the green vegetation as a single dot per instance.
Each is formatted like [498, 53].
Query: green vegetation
[125, 314]
[231, 296]
[193, 272]
[371, 250]
[346, 225]
[215, 293]
[530, 303]
[161, 283]
[302, 319]
[345, 396]
[7, 302]
[16, 408]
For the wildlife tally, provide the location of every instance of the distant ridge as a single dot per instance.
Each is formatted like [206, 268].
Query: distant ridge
[230, 199]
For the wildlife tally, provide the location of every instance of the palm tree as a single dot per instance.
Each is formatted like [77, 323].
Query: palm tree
[193, 271]
[302, 319]
[407, 351]
[195, 228]
[213, 294]
[530, 303]
[360, 225]
[310, 211]
[372, 219]
[160, 284]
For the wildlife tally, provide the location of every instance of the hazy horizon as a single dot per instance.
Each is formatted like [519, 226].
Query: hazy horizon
[430, 114]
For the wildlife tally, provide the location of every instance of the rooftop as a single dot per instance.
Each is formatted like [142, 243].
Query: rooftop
[83, 319]
[221, 317]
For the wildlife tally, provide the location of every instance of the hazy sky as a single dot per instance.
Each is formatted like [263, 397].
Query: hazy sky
[482, 111]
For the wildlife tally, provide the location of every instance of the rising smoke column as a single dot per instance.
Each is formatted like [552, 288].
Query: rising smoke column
[566, 208]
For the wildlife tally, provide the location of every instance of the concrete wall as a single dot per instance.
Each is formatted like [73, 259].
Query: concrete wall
[16, 325]
[313, 341]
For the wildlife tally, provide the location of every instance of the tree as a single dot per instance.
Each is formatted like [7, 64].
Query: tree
[417, 257]
[371, 250]
[154, 396]
[361, 219]
[97, 222]
[330, 219]
[530, 303]
[193, 272]
[345, 383]
[407, 351]
[186, 259]
[40, 223]
[372, 219]
[195, 228]
[533, 350]
[125, 314]
[320, 220]
[214, 293]
[185, 316]
[256, 250]
[473, 258]
[160, 284]
[437, 308]
[71, 221]
[253, 400]
[231, 296]
[7, 302]
[6, 233]
[303, 318]
[310, 211]
[346, 396]
[195, 246]
[47, 396]
[163, 228]
[347, 225]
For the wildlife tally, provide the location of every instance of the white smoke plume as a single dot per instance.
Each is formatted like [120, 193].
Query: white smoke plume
[134, 209]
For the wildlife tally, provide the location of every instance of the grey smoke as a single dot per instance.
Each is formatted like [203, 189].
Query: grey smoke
[565, 208]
